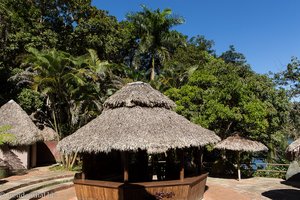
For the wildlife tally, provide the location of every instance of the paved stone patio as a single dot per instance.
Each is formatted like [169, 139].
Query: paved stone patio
[252, 188]
[256, 188]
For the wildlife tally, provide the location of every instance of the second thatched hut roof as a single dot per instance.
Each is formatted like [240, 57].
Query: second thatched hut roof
[137, 117]
[293, 150]
[238, 143]
[49, 134]
[25, 131]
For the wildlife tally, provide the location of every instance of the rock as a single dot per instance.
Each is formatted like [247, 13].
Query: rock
[293, 172]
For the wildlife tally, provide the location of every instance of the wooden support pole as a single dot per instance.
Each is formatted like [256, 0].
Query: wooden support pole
[200, 157]
[125, 166]
[181, 165]
[239, 165]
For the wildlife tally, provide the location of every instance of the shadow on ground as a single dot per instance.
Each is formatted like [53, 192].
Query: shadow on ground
[206, 188]
[3, 181]
[282, 194]
[295, 184]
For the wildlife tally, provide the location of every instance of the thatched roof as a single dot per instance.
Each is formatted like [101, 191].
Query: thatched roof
[238, 143]
[138, 94]
[49, 134]
[137, 126]
[293, 150]
[22, 127]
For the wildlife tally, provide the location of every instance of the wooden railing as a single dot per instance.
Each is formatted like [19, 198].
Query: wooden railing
[264, 165]
[271, 170]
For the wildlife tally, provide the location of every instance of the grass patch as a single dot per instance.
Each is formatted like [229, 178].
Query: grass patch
[60, 167]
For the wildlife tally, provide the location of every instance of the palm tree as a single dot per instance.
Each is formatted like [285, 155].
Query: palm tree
[53, 72]
[154, 36]
[74, 86]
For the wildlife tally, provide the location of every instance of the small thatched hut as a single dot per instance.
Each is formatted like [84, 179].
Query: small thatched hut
[138, 119]
[293, 150]
[240, 144]
[21, 152]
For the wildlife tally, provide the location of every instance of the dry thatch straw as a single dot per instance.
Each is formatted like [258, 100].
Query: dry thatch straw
[49, 134]
[141, 120]
[238, 143]
[138, 94]
[293, 150]
[22, 127]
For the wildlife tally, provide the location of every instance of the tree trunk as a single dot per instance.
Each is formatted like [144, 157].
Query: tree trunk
[152, 75]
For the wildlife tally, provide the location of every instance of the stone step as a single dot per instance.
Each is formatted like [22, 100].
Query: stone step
[24, 190]
[47, 191]
[13, 185]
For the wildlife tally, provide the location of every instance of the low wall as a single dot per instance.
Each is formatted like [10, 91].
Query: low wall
[188, 189]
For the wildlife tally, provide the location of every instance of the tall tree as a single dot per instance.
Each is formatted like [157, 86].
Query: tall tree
[183, 62]
[290, 77]
[290, 80]
[220, 97]
[71, 26]
[154, 35]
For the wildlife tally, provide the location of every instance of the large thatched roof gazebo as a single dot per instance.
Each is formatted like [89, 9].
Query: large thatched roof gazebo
[137, 119]
[293, 150]
[20, 152]
[240, 144]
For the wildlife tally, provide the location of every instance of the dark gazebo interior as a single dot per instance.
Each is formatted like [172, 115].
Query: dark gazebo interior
[142, 167]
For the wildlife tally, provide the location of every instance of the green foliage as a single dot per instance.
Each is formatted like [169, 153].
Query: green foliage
[277, 172]
[184, 61]
[30, 100]
[231, 56]
[5, 137]
[76, 168]
[71, 26]
[74, 87]
[226, 98]
[290, 80]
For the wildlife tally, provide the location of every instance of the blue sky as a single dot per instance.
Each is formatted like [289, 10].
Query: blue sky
[267, 32]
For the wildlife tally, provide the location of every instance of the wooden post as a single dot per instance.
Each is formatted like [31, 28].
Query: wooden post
[125, 154]
[181, 165]
[33, 156]
[239, 166]
[200, 157]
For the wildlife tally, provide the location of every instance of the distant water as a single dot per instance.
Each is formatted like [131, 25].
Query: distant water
[290, 140]
[258, 163]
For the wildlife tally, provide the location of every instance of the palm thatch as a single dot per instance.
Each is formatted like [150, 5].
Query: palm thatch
[293, 150]
[22, 127]
[238, 143]
[49, 134]
[137, 122]
[138, 94]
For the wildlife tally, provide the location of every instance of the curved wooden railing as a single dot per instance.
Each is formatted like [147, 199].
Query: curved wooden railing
[187, 189]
